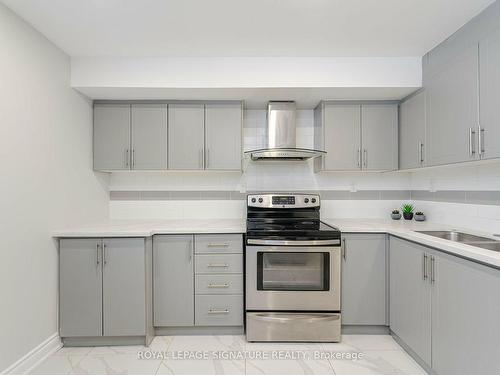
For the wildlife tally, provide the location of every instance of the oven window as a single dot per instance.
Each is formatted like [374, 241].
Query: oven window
[293, 271]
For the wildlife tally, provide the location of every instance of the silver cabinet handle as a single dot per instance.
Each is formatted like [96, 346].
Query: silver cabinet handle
[433, 270]
[212, 311]
[359, 157]
[97, 255]
[190, 251]
[225, 285]
[217, 265]
[126, 158]
[421, 151]
[218, 245]
[344, 249]
[480, 142]
[424, 270]
[471, 146]
[133, 158]
[365, 153]
[104, 261]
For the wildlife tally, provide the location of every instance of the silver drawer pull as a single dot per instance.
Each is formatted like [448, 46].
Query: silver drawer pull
[218, 285]
[221, 265]
[226, 311]
[218, 245]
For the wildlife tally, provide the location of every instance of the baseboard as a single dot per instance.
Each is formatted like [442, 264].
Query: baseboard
[364, 330]
[34, 357]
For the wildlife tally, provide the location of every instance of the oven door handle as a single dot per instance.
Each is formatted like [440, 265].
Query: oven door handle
[252, 241]
[284, 318]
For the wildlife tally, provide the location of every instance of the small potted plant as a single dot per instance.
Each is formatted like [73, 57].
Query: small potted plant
[395, 215]
[419, 216]
[408, 211]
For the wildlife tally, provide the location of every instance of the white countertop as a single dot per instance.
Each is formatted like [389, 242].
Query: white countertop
[407, 230]
[400, 228]
[142, 228]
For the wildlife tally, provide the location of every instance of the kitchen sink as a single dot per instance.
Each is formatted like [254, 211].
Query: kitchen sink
[456, 236]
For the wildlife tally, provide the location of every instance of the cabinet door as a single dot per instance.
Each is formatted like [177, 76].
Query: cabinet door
[173, 276]
[452, 109]
[379, 132]
[124, 287]
[342, 137]
[80, 288]
[111, 137]
[489, 57]
[149, 136]
[410, 297]
[186, 136]
[412, 132]
[465, 311]
[364, 287]
[223, 136]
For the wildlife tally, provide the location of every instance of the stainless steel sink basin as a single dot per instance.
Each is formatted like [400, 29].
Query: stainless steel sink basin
[456, 236]
[494, 246]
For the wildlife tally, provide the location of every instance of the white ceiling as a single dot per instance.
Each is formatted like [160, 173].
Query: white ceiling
[247, 28]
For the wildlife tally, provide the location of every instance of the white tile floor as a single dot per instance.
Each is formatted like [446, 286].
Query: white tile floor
[381, 355]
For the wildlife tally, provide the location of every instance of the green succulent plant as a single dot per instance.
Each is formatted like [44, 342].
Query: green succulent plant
[408, 208]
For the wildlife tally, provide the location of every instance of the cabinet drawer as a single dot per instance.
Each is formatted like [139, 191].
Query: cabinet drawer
[219, 263]
[219, 310]
[219, 284]
[218, 243]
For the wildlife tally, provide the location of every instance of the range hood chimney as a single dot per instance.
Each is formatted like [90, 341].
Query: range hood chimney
[282, 136]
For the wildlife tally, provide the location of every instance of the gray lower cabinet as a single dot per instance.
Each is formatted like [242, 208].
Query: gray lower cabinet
[410, 296]
[445, 309]
[465, 311]
[124, 281]
[489, 124]
[379, 136]
[104, 288]
[80, 288]
[412, 132]
[223, 137]
[173, 280]
[364, 281]
[149, 136]
[186, 136]
[112, 137]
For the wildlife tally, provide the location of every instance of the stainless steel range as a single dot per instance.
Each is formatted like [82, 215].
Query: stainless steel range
[292, 270]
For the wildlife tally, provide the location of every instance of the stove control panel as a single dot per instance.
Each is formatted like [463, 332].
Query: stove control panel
[283, 200]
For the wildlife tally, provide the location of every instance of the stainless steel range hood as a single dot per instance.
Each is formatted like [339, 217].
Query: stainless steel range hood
[282, 136]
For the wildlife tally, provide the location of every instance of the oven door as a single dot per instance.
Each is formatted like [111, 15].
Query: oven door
[300, 278]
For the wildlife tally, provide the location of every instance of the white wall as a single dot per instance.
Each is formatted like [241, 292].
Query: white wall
[46, 180]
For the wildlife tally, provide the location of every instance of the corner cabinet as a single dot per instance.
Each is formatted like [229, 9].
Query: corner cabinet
[412, 121]
[364, 279]
[356, 136]
[105, 290]
[445, 309]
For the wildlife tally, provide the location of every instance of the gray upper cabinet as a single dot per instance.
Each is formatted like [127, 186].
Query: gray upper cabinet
[173, 279]
[186, 136]
[342, 137]
[379, 136]
[364, 282]
[465, 311]
[112, 137]
[410, 296]
[223, 123]
[124, 290]
[149, 136]
[356, 136]
[452, 104]
[412, 132]
[80, 288]
[489, 131]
